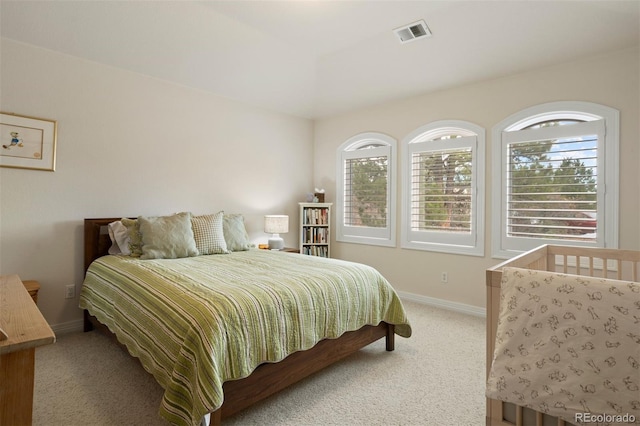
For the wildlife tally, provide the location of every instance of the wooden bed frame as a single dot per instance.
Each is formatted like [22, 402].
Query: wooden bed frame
[267, 378]
[593, 262]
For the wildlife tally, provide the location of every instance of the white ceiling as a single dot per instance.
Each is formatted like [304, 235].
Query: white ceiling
[319, 58]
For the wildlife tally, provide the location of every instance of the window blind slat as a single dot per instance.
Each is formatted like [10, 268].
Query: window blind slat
[365, 191]
[441, 190]
[552, 188]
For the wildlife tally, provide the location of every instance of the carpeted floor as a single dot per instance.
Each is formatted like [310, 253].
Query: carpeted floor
[436, 377]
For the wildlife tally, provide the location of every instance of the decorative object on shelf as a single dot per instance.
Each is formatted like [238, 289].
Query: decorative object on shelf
[315, 229]
[318, 195]
[27, 142]
[276, 225]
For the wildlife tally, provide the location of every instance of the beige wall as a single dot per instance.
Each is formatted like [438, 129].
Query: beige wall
[132, 145]
[612, 80]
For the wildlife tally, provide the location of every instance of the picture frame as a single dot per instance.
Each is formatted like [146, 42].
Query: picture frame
[27, 142]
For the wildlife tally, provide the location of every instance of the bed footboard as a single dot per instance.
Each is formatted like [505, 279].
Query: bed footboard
[270, 378]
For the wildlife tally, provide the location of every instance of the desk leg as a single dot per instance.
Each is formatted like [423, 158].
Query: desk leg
[16, 387]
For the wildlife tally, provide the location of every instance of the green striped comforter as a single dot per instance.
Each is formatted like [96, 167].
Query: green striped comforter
[197, 322]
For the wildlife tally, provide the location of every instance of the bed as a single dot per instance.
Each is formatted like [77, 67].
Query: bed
[207, 372]
[563, 338]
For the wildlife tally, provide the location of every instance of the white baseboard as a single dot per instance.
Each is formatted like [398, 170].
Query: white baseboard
[444, 304]
[68, 327]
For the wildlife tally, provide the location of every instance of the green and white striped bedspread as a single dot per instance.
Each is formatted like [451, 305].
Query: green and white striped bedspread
[197, 322]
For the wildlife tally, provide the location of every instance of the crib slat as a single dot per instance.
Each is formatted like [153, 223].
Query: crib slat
[518, 415]
[539, 418]
[619, 269]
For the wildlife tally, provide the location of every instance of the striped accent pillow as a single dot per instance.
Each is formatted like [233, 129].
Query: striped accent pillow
[208, 233]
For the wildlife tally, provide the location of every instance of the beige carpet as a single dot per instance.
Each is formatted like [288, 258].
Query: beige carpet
[436, 377]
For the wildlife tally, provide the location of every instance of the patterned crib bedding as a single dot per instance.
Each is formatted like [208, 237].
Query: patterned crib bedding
[568, 346]
[197, 322]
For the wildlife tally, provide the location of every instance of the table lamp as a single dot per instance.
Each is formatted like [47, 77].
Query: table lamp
[276, 225]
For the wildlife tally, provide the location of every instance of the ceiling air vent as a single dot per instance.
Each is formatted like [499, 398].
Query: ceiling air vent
[412, 32]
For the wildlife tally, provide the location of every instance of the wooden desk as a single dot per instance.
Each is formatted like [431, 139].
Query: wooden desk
[26, 329]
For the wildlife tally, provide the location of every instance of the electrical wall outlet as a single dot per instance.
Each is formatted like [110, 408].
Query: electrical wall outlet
[70, 291]
[444, 277]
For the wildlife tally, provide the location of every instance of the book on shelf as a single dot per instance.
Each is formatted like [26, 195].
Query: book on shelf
[316, 216]
[316, 235]
[322, 251]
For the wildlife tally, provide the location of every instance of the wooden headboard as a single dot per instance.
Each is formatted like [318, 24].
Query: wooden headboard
[96, 239]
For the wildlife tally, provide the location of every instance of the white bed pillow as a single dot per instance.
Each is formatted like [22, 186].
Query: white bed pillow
[120, 240]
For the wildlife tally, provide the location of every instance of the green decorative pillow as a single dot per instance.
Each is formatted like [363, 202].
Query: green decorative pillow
[167, 237]
[235, 234]
[208, 233]
[135, 239]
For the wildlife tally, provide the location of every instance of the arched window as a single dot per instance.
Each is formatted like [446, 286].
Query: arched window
[366, 190]
[555, 177]
[443, 188]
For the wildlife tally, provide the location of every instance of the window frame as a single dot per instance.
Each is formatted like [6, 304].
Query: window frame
[421, 140]
[353, 148]
[504, 246]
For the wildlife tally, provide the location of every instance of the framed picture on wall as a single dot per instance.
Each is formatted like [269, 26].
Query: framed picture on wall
[27, 142]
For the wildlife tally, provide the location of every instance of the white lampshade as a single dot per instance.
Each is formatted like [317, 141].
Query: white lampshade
[276, 224]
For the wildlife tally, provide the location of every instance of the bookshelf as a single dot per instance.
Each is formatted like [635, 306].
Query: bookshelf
[315, 229]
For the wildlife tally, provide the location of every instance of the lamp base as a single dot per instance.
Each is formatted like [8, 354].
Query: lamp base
[276, 242]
